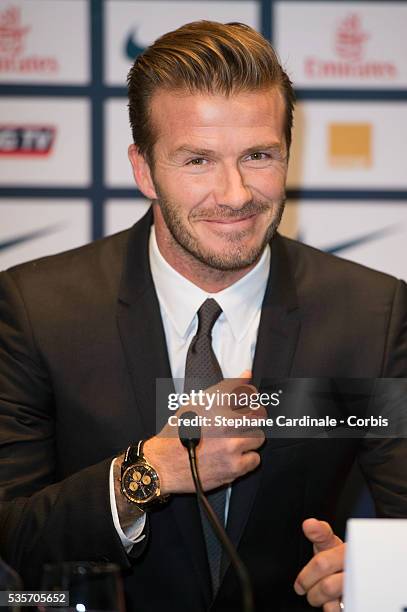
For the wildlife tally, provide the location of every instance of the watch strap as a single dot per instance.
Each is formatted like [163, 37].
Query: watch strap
[133, 454]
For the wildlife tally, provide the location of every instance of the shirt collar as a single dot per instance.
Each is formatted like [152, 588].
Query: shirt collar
[181, 299]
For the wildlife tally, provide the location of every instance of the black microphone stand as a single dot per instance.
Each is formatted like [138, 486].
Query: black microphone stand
[190, 438]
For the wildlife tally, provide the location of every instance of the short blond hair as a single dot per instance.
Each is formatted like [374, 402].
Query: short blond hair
[206, 57]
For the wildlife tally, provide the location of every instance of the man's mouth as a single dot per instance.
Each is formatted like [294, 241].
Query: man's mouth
[231, 221]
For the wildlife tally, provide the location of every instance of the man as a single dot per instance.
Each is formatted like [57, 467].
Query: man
[86, 334]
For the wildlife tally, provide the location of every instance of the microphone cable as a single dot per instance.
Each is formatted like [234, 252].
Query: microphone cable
[190, 437]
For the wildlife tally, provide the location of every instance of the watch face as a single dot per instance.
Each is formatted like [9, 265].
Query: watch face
[140, 483]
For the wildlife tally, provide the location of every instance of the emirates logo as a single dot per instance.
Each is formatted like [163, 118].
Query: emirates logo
[351, 59]
[12, 32]
[14, 59]
[350, 38]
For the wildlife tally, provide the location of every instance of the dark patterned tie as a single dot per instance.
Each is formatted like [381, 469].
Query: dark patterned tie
[201, 371]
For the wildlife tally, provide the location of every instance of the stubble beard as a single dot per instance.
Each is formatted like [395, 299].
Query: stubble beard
[236, 256]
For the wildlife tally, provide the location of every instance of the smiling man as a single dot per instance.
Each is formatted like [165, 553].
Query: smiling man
[218, 178]
[203, 284]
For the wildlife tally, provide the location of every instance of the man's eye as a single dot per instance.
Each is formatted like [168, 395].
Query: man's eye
[197, 161]
[258, 155]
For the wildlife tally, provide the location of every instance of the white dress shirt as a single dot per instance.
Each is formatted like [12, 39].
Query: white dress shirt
[234, 334]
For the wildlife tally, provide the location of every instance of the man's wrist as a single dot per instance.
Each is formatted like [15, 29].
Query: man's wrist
[153, 455]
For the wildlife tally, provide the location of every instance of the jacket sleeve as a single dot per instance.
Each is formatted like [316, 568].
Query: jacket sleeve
[395, 353]
[384, 461]
[42, 520]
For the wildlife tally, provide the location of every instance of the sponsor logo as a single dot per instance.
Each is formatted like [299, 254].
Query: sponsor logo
[12, 33]
[26, 140]
[352, 243]
[339, 247]
[350, 145]
[24, 238]
[13, 39]
[350, 38]
[349, 45]
[131, 48]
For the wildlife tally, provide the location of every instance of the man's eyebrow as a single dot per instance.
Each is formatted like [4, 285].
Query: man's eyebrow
[193, 150]
[274, 146]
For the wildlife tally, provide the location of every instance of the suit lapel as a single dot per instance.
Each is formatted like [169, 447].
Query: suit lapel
[279, 323]
[277, 340]
[140, 326]
[144, 345]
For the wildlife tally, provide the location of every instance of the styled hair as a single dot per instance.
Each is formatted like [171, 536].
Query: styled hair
[205, 57]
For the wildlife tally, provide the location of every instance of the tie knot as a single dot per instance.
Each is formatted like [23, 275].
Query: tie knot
[208, 315]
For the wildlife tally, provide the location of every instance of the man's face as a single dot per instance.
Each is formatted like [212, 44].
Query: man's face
[219, 173]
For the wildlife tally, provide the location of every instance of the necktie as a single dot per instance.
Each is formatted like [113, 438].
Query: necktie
[201, 371]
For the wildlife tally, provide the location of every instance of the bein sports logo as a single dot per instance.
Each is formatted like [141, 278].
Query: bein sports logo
[349, 46]
[26, 140]
[13, 38]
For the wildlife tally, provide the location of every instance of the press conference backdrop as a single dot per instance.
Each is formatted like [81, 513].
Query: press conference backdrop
[64, 174]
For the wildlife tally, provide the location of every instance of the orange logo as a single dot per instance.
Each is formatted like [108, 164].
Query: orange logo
[350, 145]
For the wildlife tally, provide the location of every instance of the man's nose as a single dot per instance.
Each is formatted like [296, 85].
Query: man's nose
[231, 189]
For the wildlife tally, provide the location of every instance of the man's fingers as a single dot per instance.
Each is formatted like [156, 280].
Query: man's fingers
[229, 384]
[327, 591]
[245, 375]
[249, 462]
[320, 534]
[243, 393]
[244, 443]
[333, 606]
[322, 578]
[250, 440]
[319, 569]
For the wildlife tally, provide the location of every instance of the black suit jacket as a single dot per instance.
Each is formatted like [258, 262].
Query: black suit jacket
[81, 344]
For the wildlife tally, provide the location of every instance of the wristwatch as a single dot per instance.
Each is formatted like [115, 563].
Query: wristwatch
[139, 480]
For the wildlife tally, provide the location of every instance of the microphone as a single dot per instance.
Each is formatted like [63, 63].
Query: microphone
[190, 436]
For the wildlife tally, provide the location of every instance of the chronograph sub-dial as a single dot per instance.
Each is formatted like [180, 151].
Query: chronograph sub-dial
[140, 483]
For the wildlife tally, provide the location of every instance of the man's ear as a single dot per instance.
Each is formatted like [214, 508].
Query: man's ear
[142, 173]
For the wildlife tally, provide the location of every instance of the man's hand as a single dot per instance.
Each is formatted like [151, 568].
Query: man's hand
[224, 452]
[322, 578]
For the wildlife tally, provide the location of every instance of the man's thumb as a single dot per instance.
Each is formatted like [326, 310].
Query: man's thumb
[320, 534]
